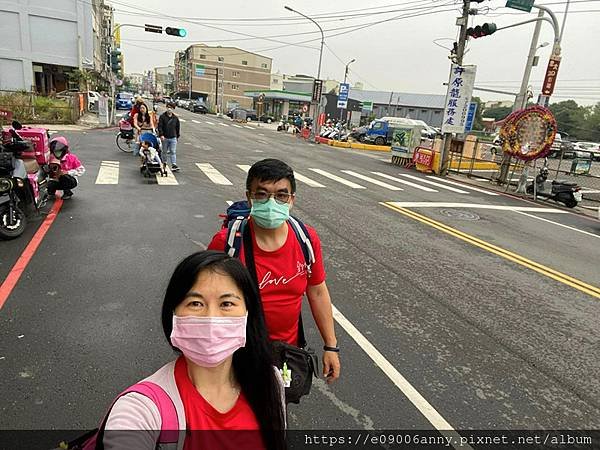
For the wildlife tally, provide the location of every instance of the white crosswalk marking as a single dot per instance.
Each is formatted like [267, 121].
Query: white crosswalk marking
[169, 180]
[209, 123]
[229, 202]
[408, 183]
[462, 185]
[236, 125]
[307, 180]
[250, 128]
[213, 174]
[433, 183]
[108, 173]
[244, 167]
[338, 179]
[223, 124]
[182, 120]
[196, 121]
[373, 180]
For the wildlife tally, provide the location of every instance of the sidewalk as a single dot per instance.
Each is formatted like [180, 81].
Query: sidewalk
[89, 121]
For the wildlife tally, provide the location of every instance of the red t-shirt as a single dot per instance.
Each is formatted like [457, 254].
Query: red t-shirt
[236, 429]
[283, 279]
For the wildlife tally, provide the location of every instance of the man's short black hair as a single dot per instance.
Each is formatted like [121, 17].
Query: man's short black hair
[270, 169]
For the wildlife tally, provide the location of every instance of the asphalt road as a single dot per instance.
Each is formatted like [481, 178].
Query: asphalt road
[489, 339]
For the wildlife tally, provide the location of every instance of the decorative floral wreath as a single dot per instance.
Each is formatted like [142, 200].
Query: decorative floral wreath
[518, 125]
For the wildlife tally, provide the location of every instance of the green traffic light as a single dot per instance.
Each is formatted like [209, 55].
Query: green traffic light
[182, 32]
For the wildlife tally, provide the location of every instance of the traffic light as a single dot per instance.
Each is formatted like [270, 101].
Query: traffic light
[482, 30]
[180, 32]
[115, 60]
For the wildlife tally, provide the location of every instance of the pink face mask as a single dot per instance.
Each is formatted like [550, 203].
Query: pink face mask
[208, 341]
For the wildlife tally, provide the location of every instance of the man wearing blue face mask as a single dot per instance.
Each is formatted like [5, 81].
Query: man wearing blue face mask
[283, 272]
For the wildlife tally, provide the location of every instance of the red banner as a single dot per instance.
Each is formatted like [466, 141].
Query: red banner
[424, 157]
[551, 73]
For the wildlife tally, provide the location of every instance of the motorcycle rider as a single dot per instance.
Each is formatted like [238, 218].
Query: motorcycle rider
[64, 167]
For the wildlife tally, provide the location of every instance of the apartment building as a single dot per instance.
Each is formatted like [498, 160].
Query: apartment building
[221, 75]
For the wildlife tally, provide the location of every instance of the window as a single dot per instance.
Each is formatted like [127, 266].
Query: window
[221, 59]
[378, 125]
[264, 66]
[202, 56]
[424, 111]
[220, 85]
[411, 110]
[234, 87]
[275, 81]
[244, 63]
[235, 74]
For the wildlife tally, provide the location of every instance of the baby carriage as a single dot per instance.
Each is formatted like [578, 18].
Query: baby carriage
[151, 157]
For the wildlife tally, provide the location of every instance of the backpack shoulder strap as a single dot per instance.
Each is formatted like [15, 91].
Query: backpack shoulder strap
[303, 237]
[233, 242]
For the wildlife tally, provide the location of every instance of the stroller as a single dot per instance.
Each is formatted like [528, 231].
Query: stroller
[151, 164]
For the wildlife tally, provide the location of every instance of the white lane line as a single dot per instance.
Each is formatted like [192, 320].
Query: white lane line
[477, 206]
[236, 125]
[244, 167]
[108, 173]
[250, 128]
[213, 174]
[223, 124]
[210, 123]
[408, 183]
[169, 180]
[428, 411]
[463, 186]
[590, 192]
[338, 179]
[559, 224]
[261, 134]
[196, 121]
[373, 180]
[307, 180]
[229, 202]
[182, 120]
[433, 183]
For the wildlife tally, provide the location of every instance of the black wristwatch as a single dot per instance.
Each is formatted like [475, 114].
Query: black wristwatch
[331, 349]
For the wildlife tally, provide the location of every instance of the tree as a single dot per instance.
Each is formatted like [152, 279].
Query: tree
[497, 113]
[478, 123]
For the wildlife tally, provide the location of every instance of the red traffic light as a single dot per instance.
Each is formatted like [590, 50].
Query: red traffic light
[482, 30]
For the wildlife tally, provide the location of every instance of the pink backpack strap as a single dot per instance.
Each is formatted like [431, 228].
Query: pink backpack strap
[169, 431]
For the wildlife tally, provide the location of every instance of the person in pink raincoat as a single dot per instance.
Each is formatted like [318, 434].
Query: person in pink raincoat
[64, 168]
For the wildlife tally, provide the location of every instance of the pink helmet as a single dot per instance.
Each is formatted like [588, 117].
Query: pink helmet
[59, 146]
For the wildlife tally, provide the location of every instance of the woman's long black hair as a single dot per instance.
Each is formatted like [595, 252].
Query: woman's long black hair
[252, 364]
[144, 117]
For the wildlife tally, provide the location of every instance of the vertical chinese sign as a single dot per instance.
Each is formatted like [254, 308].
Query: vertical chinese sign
[458, 98]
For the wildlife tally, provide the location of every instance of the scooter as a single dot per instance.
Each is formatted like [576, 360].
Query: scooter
[557, 190]
[23, 183]
[283, 125]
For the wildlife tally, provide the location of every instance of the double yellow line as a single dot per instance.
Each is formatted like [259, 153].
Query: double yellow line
[547, 271]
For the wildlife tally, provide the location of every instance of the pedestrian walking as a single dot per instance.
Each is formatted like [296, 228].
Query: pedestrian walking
[283, 273]
[168, 130]
[223, 379]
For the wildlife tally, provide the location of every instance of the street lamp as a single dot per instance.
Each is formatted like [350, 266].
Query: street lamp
[317, 108]
[345, 76]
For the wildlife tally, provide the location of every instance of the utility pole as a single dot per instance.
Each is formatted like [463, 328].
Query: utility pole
[463, 21]
[521, 99]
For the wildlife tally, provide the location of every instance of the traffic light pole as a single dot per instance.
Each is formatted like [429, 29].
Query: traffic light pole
[462, 41]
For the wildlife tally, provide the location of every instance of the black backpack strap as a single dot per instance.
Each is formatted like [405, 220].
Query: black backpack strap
[251, 265]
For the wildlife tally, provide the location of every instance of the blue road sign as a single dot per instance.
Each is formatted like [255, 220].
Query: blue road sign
[471, 116]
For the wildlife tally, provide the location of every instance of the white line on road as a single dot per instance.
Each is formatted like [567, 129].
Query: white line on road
[169, 180]
[223, 124]
[433, 183]
[261, 134]
[409, 183]
[559, 224]
[373, 180]
[182, 120]
[209, 123]
[307, 180]
[229, 202]
[463, 186]
[236, 125]
[214, 175]
[196, 121]
[108, 173]
[430, 413]
[244, 167]
[590, 192]
[250, 128]
[338, 179]
[476, 206]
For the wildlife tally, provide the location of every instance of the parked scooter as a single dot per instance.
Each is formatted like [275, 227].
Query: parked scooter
[283, 125]
[558, 190]
[22, 180]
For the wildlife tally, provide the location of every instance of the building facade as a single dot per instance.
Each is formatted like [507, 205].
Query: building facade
[42, 42]
[164, 80]
[221, 75]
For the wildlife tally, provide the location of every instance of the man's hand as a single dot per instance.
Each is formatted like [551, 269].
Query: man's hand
[331, 366]
[162, 138]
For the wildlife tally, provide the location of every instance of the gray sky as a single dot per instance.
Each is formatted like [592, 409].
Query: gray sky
[397, 55]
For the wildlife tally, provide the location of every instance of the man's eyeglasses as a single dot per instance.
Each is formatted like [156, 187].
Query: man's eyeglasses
[263, 197]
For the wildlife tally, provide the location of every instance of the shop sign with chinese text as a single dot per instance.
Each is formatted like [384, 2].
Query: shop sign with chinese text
[458, 98]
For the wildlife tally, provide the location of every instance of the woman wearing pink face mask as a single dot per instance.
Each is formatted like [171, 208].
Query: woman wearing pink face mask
[223, 380]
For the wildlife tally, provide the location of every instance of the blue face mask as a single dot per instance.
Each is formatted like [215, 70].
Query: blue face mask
[270, 214]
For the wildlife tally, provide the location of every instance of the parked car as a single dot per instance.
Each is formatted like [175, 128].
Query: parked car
[250, 113]
[93, 97]
[124, 100]
[198, 106]
[591, 147]
[267, 118]
[166, 99]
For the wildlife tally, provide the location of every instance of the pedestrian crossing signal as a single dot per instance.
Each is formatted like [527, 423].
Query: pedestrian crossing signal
[181, 32]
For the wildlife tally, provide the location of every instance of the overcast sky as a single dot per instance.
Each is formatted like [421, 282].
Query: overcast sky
[398, 55]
